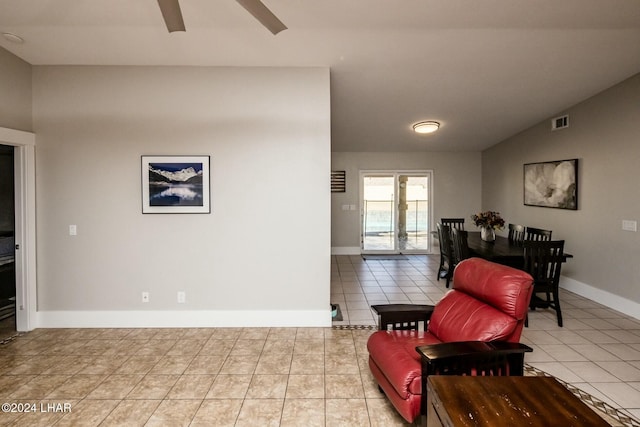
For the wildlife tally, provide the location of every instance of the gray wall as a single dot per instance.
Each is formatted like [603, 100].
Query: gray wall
[604, 134]
[15, 92]
[263, 251]
[456, 186]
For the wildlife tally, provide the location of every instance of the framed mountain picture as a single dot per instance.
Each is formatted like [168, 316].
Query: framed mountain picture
[176, 184]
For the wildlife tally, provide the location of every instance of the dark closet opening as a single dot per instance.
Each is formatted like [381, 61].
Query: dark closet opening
[7, 241]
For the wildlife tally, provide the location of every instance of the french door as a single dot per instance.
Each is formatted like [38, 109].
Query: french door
[395, 211]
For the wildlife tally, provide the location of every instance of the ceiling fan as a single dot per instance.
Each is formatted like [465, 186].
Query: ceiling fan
[173, 15]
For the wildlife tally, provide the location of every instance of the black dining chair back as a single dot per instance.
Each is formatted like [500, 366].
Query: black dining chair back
[537, 234]
[543, 260]
[453, 222]
[445, 270]
[516, 233]
[460, 245]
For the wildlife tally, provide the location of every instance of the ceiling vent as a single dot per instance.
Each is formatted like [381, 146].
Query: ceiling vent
[560, 122]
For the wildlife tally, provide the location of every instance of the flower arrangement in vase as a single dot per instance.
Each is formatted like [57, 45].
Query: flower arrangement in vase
[489, 222]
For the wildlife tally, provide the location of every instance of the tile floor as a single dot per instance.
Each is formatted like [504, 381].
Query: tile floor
[284, 376]
[191, 377]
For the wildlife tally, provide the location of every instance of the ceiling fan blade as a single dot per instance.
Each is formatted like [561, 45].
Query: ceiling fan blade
[172, 15]
[263, 14]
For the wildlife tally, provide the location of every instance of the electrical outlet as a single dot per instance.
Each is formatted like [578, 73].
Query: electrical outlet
[182, 297]
[145, 297]
[629, 225]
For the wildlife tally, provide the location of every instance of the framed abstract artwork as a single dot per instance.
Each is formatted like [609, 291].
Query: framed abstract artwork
[176, 184]
[552, 184]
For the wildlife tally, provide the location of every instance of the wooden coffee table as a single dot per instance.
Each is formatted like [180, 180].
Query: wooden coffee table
[463, 401]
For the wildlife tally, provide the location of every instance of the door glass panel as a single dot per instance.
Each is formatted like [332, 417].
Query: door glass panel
[413, 221]
[378, 216]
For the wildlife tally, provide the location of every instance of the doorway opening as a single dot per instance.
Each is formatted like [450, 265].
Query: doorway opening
[23, 145]
[395, 212]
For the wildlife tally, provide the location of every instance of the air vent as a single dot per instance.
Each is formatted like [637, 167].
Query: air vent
[560, 123]
[338, 181]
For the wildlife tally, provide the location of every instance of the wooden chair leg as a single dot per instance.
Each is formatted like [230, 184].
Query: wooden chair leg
[556, 305]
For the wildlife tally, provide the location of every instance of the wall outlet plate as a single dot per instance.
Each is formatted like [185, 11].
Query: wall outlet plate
[182, 297]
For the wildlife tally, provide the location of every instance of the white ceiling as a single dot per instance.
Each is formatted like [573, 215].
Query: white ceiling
[485, 69]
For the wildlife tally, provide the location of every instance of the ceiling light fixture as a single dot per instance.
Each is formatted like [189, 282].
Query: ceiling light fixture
[426, 127]
[13, 38]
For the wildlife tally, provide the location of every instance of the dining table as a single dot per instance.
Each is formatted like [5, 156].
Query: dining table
[501, 251]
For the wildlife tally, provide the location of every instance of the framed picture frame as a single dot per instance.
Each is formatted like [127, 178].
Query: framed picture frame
[176, 184]
[552, 184]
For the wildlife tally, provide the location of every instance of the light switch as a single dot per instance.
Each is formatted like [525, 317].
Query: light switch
[73, 230]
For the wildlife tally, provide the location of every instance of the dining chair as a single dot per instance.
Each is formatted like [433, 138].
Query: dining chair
[445, 270]
[516, 233]
[543, 261]
[453, 222]
[460, 246]
[537, 234]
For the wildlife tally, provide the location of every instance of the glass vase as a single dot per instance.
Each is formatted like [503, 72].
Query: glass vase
[487, 234]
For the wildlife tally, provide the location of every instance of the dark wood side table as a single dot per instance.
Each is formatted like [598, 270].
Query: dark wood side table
[464, 401]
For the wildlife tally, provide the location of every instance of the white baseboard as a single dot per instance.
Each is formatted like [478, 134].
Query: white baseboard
[182, 319]
[345, 250]
[623, 305]
[268, 318]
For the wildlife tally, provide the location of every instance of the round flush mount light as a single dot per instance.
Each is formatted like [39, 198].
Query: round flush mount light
[426, 127]
[13, 38]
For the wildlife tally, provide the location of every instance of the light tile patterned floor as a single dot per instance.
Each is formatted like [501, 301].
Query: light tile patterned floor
[286, 376]
[180, 377]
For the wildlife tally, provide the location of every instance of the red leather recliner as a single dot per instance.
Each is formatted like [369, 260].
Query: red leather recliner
[488, 302]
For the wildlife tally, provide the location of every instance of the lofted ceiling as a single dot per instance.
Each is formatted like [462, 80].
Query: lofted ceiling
[485, 69]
